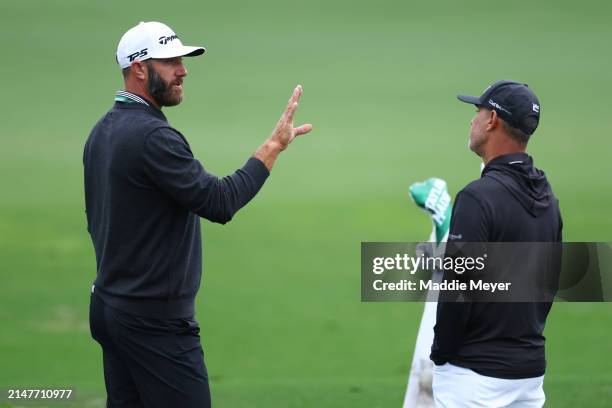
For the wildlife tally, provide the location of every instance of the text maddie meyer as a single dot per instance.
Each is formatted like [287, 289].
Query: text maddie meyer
[447, 285]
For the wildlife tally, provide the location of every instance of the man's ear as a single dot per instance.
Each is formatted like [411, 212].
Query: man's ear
[492, 121]
[138, 70]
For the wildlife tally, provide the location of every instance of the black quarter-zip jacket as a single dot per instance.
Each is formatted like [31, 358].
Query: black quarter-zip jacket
[511, 202]
[144, 194]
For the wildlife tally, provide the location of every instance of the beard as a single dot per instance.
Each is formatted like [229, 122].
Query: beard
[164, 94]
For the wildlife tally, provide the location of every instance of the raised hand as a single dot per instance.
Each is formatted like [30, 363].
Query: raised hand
[284, 132]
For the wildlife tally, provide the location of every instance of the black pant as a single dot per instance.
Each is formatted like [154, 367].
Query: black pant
[149, 363]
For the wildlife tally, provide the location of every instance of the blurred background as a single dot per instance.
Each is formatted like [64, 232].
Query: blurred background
[280, 311]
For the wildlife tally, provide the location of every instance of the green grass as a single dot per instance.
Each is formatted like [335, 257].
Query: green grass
[282, 322]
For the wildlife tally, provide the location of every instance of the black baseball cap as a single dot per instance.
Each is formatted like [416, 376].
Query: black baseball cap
[513, 101]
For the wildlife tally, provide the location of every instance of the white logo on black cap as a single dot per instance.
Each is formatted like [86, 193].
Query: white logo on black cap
[498, 106]
[536, 107]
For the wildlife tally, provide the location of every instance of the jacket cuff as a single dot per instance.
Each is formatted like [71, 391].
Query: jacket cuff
[256, 169]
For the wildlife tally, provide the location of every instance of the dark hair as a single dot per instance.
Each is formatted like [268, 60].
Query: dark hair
[515, 133]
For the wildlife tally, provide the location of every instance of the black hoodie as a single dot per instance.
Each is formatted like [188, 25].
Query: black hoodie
[511, 202]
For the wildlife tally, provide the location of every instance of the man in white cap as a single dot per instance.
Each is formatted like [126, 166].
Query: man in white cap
[144, 194]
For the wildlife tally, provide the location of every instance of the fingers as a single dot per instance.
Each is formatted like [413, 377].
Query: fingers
[284, 128]
[292, 104]
[290, 112]
[295, 96]
[302, 130]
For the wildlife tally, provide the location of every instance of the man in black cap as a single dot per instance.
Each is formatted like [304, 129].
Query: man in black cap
[492, 354]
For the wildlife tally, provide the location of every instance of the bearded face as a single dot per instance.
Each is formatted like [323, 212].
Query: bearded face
[165, 92]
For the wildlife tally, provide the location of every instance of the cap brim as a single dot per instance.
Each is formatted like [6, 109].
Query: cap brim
[180, 51]
[193, 51]
[474, 100]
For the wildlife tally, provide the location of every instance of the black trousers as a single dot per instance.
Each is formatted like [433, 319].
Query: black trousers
[149, 363]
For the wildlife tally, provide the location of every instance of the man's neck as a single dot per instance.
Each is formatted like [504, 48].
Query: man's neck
[508, 146]
[140, 91]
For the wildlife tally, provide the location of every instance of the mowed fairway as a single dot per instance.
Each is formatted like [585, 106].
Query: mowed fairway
[280, 311]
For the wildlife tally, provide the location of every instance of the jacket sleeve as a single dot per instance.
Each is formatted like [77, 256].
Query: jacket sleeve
[560, 235]
[172, 167]
[468, 224]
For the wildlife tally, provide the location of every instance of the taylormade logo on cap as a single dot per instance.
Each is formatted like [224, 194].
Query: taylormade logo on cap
[152, 40]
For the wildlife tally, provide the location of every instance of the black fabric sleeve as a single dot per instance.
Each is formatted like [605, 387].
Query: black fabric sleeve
[469, 220]
[171, 166]
[560, 235]
[468, 224]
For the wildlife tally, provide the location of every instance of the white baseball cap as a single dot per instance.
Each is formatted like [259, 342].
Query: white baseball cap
[152, 40]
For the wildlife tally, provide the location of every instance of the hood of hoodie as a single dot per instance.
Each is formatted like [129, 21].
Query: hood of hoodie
[526, 183]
